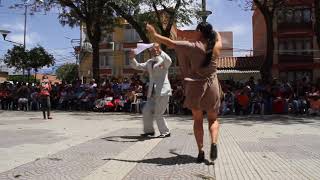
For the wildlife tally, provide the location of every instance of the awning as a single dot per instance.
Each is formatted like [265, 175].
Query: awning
[233, 71]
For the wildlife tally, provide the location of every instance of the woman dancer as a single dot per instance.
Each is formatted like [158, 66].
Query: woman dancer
[197, 60]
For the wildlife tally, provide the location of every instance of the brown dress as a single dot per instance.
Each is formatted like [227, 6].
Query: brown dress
[202, 88]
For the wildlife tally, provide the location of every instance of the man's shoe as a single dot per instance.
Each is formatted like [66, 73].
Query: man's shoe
[164, 135]
[147, 134]
[213, 152]
[200, 157]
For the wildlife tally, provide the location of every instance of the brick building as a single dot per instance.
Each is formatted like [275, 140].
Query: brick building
[296, 53]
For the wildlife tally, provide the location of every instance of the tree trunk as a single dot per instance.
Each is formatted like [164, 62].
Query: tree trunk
[266, 69]
[317, 25]
[95, 62]
[35, 76]
[28, 70]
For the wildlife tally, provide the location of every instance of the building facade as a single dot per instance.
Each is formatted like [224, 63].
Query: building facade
[296, 53]
[115, 48]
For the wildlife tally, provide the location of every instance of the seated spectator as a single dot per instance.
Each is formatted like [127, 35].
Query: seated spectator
[314, 101]
[228, 102]
[242, 103]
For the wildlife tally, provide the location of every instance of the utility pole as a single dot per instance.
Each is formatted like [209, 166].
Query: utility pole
[25, 24]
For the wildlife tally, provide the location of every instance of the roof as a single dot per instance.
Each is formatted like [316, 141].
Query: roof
[240, 63]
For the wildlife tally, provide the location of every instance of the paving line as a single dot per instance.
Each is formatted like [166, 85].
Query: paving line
[242, 157]
[118, 167]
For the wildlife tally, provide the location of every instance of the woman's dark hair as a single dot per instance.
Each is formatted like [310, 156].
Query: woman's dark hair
[211, 36]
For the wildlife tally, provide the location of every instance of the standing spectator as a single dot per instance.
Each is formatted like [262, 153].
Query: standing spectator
[23, 97]
[45, 89]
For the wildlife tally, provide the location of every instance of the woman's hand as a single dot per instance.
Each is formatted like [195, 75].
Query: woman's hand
[151, 29]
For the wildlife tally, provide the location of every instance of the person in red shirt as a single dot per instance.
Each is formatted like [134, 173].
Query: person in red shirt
[45, 89]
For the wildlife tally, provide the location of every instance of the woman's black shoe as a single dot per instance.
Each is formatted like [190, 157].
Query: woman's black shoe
[213, 152]
[200, 158]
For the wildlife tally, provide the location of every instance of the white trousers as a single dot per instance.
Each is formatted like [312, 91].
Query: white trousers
[153, 110]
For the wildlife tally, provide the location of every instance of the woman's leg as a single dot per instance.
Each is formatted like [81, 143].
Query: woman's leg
[214, 130]
[213, 126]
[198, 127]
[48, 107]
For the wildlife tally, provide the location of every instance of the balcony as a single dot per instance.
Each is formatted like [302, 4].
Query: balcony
[298, 58]
[287, 29]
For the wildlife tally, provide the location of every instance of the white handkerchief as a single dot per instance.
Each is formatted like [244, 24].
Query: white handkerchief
[141, 47]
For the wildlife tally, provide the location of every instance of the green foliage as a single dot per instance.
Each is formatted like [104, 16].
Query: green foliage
[96, 16]
[16, 57]
[162, 13]
[67, 72]
[21, 78]
[36, 58]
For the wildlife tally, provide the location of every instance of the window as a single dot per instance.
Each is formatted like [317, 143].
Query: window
[105, 60]
[290, 47]
[289, 16]
[307, 15]
[107, 38]
[308, 47]
[299, 47]
[139, 58]
[296, 75]
[281, 16]
[282, 47]
[130, 34]
[126, 58]
[298, 16]
[295, 46]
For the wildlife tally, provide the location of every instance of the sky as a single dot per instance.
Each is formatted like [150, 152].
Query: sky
[45, 29]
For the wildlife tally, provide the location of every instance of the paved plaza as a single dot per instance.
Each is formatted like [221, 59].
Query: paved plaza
[107, 146]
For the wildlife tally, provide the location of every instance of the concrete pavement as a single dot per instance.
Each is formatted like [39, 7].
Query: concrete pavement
[90, 146]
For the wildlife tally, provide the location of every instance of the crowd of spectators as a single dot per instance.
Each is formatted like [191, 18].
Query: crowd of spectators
[278, 97]
[129, 95]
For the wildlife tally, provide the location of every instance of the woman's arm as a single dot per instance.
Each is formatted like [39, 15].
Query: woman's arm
[218, 46]
[160, 39]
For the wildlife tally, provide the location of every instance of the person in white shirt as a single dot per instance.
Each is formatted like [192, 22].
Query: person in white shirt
[159, 90]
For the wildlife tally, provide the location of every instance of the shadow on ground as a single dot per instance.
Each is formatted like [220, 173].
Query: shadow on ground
[127, 138]
[177, 159]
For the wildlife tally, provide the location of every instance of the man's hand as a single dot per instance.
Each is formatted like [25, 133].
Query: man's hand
[132, 54]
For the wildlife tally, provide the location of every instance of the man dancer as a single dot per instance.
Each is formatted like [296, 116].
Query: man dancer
[159, 90]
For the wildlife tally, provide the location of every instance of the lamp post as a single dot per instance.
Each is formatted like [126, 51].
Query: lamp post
[5, 34]
[204, 13]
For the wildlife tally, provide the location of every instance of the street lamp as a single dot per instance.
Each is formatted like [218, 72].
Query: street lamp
[204, 13]
[5, 34]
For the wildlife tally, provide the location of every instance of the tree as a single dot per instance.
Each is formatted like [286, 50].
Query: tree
[35, 59]
[15, 57]
[38, 57]
[96, 15]
[162, 13]
[268, 8]
[67, 72]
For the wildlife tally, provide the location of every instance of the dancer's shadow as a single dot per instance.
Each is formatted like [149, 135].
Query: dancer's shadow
[169, 161]
[127, 138]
